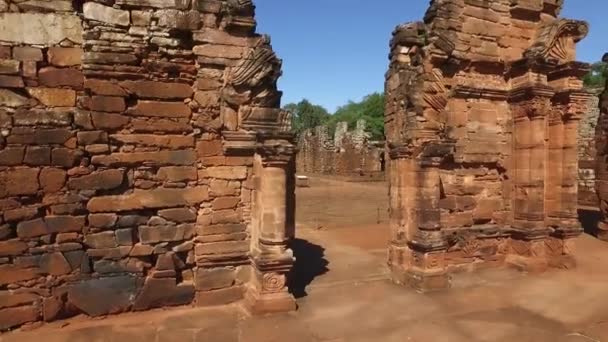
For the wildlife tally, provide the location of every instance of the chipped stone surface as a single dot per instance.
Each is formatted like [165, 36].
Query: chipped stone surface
[40, 28]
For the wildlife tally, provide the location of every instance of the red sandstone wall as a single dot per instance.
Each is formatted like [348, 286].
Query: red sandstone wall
[115, 193]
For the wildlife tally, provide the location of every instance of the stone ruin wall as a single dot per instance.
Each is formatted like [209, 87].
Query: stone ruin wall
[344, 154]
[483, 103]
[601, 171]
[135, 135]
[587, 195]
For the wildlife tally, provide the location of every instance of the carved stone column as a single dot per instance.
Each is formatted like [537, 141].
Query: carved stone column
[428, 246]
[271, 258]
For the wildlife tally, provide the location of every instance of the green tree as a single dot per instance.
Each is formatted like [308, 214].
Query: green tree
[596, 78]
[306, 115]
[370, 109]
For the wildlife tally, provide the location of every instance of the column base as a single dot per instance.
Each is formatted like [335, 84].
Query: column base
[425, 282]
[269, 303]
[602, 231]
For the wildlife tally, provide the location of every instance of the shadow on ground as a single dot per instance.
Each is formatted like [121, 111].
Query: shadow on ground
[589, 219]
[310, 263]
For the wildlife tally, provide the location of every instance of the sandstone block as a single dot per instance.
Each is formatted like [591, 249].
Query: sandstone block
[65, 157]
[109, 121]
[26, 53]
[106, 14]
[158, 293]
[12, 156]
[166, 141]
[182, 157]
[45, 29]
[101, 240]
[219, 297]
[209, 148]
[9, 66]
[220, 51]
[54, 264]
[42, 117]
[12, 99]
[160, 109]
[20, 214]
[101, 180]
[12, 247]
[13, 317]
[124, 237]
[155, 125]
[54, 97]
[11, 274]
[226, 247]
[214, 279]
[37, 155]
[39, 136]
[107, 88]
[7, 81]
[92, 137]
[178, 215]
[156, 234]
[52, 180]
[149, 199]
[158, 90]
[55, 77]
[225, 172]
[113, 295]
[11, 298]
[177, 173]
[103, 220]
[107, 104]
[65, 57]
[222, 203]
[20, 181]
[109, 58]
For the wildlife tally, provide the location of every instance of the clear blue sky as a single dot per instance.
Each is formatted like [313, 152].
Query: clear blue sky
[336, 50]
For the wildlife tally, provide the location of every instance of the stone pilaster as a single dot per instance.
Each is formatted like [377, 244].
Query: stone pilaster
[271, 257]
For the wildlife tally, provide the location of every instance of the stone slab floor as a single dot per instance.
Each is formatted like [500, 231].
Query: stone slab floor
[344, 294]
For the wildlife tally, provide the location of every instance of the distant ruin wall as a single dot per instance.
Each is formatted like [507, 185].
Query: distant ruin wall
[117, 189]
[587, 195]
[348, 153]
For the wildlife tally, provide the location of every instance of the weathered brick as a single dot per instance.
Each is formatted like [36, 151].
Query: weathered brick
[158, 90]
[11, 274]
[37, 155]
[100, 87]
[184, 157]
[214, 279]
[11, 81]
[54, 77]
[177, 173]
[54, 264]
[154, 125]
[209, 148]
[155, 234]
[19, 181]
[65, 157]
[103, 220]
[26, 53]
[160, 109]
[52, 180]
[166, 141]
[13, 317]
[222, 203]
[13, 298]
[101, 240]
[226, 247]
[62, 57]
[100, 180]
[12, 156]
[12, 247]
[178, 215]
[41, 118]
[225, 172]
[92, 137]
[107, 103]
[20, 214]
[9, 66]
[109, 121]
[39, 136]
[52, 97]
[149, 199]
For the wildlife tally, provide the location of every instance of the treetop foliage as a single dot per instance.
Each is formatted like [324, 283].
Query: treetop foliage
[371, 109]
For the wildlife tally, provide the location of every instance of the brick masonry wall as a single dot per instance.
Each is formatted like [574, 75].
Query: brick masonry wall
[115, 193]
[345, 154]
[587, 195]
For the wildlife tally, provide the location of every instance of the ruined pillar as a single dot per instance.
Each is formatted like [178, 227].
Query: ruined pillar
[270, 255]
[486, 101]
[601, 141]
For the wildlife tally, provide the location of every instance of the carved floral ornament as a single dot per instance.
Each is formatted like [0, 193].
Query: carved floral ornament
[555, 40]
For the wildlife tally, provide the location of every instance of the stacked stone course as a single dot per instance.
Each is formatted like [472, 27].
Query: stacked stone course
[144, 160]
[587, 196]
[346, 154]
[482, 111]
